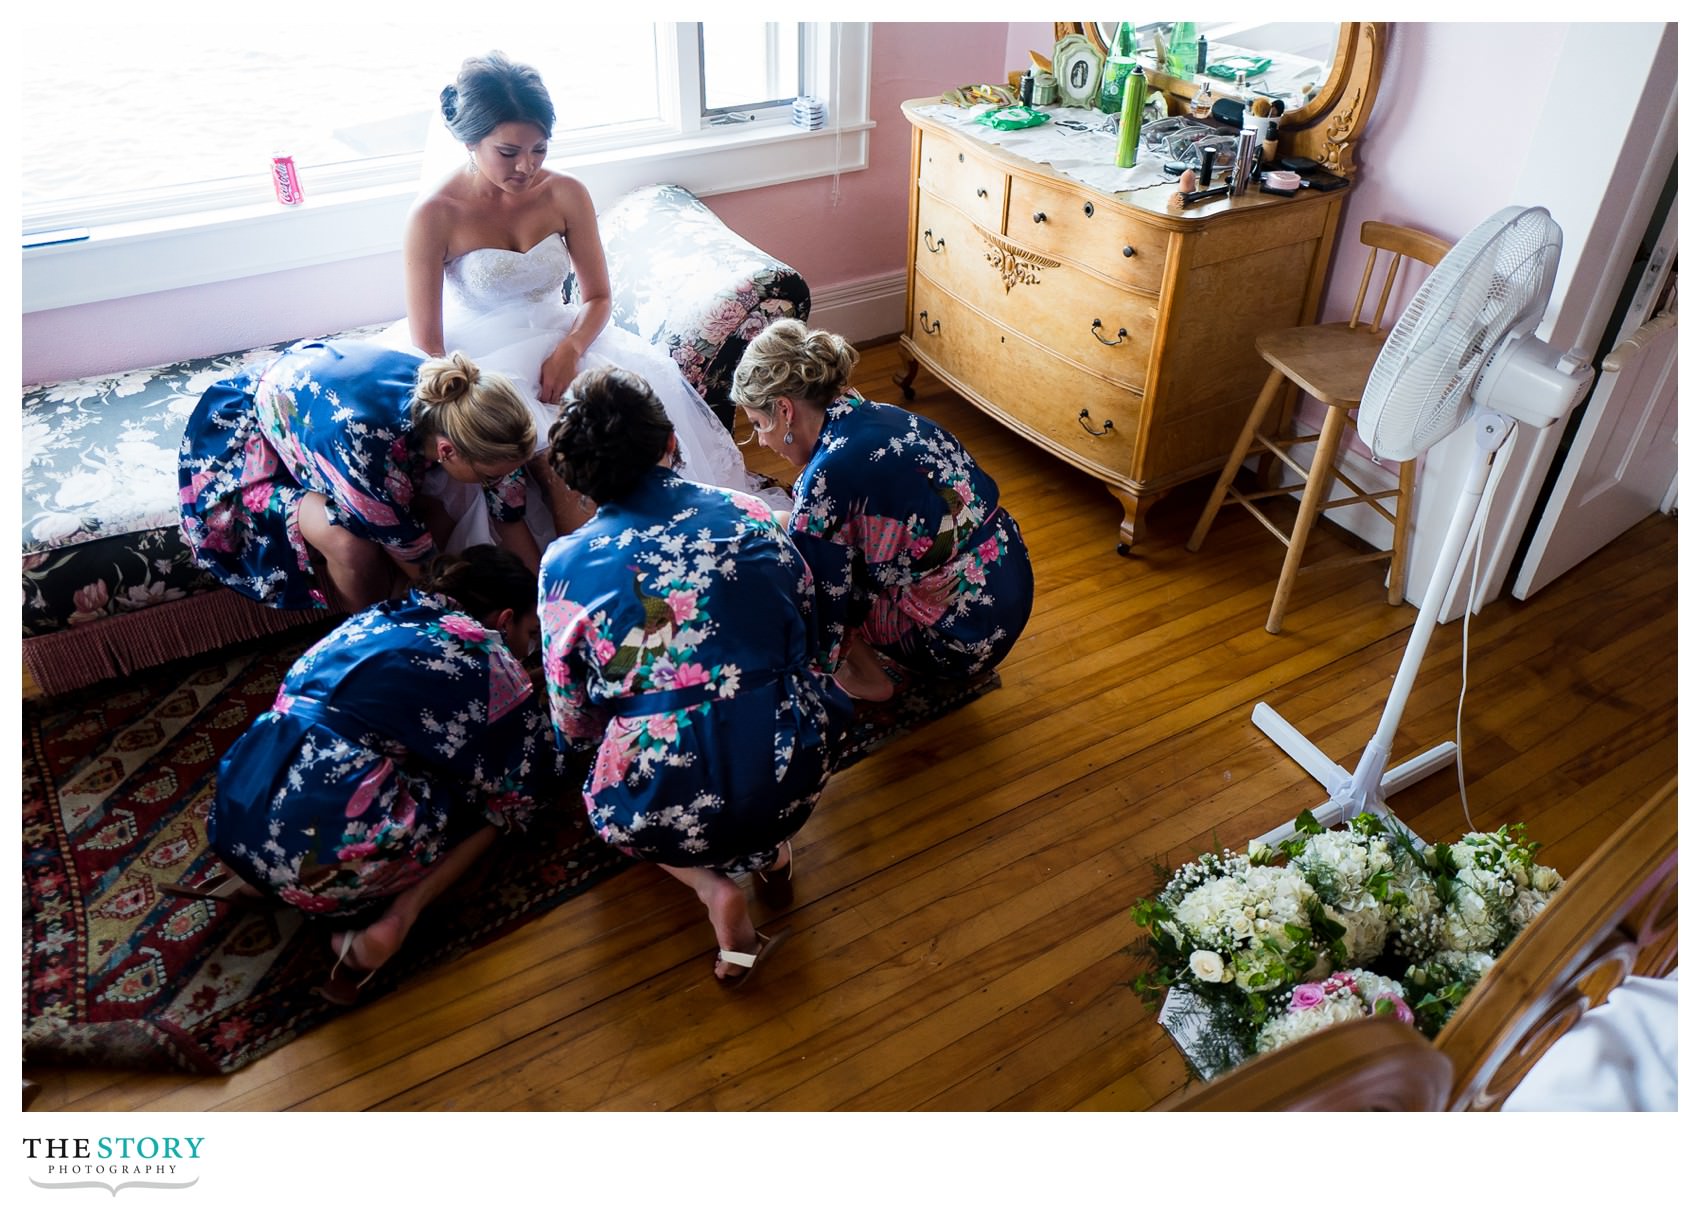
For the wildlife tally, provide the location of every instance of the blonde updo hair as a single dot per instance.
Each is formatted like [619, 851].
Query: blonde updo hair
[787, 358]
[479, 411]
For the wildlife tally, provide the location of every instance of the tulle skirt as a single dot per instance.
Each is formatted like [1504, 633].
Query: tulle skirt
[514, 339]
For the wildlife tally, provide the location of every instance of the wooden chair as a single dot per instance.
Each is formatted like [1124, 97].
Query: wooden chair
[1332, 363]
[1615, 916]
[1365, 1065]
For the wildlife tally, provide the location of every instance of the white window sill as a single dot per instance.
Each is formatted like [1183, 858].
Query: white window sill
[120, 260]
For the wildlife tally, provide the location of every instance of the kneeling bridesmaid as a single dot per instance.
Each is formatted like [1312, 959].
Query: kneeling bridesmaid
[911, 552]
[678, 636]
[397, 748]
[305, 484]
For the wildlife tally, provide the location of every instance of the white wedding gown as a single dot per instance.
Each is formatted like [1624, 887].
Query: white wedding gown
[504, 310]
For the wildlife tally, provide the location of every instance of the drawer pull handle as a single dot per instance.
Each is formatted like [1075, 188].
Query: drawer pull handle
[928, 328]
[1121, 334]
[927, 238]
[1086, 424]
[1038, 216]
[1127, 250]
[980, 193]
[1089, 210]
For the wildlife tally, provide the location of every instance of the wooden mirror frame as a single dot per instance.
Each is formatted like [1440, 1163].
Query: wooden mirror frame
[1327, 128]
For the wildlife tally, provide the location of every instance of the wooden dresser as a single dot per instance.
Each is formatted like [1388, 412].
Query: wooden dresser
[1109, 329]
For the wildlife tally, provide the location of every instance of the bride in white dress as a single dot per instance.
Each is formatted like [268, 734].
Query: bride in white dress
[486, 251]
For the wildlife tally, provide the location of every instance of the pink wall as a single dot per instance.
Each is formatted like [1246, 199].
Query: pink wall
[863, 237]
[1431, 157]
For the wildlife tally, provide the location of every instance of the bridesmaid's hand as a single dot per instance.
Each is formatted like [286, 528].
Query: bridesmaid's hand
[559, 369]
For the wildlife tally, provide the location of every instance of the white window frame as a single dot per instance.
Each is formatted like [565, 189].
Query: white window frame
[120, 259]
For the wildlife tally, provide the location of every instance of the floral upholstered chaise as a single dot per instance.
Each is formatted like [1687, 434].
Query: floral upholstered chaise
[109, 585]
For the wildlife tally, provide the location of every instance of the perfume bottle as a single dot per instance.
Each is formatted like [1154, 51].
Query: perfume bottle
[1123, 57]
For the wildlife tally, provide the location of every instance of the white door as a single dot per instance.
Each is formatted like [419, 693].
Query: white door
[1621, 466]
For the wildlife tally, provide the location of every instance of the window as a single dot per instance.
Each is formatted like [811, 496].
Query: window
[748, 66]
[133, 132]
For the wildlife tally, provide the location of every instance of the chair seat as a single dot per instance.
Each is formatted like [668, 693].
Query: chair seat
[1332, 362]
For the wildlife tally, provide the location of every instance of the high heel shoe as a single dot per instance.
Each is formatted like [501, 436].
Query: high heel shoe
[222, 885]
[340, 990]
[773, 889]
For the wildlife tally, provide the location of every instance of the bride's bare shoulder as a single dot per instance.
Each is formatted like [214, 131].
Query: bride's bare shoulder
[567, 191]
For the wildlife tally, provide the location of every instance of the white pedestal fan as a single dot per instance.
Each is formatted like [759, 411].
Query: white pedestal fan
[1462, 353]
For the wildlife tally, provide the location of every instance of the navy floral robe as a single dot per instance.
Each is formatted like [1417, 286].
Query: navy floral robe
[396, 736]
[677, 641]
[325, 417]
[908, 543]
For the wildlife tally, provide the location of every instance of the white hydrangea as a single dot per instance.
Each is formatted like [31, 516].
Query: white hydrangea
[1366, 931]
[1291, 1025]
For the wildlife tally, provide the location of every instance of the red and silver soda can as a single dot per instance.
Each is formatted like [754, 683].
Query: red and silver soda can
[286, 181]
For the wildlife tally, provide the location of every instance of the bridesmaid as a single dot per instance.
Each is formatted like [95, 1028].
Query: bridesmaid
[913, 556]
[301, 483]
[396, 750]
[678, 631]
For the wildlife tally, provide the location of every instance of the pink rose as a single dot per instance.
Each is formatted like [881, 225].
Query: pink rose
[1309, 995]
[463, 627]
[91, 599]
[683, 604]
[604, 650]
[690, 675]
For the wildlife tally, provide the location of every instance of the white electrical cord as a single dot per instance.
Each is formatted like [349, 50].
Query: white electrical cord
[1464, 662]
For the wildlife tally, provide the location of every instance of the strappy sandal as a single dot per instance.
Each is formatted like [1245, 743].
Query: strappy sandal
[773, 888]
[340, 990]
[766, 945]
[223, 885]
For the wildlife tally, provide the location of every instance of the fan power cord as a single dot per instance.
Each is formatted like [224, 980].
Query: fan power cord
[1464, 677]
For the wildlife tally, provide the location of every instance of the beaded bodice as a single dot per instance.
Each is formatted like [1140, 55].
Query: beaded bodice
[490, 277]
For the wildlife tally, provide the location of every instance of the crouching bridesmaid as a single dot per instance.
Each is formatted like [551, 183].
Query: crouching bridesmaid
[397, 749]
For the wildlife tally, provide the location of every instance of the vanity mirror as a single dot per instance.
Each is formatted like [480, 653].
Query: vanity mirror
[1343, 61]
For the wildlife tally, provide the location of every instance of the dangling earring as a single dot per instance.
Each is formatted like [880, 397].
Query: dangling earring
[790, 438]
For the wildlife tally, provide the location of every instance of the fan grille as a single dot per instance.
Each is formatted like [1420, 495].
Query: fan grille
[1493, 284]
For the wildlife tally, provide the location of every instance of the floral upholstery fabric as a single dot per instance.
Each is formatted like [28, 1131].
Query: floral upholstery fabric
[100, 497]
[685, 281]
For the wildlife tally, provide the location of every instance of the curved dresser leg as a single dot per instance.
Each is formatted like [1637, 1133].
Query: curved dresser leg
[906, 382]
[1135, 506]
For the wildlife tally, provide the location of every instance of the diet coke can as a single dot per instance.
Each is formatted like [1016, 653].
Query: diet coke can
[285, 180]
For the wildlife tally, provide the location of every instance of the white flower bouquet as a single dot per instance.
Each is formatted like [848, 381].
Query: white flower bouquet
[1250, 951]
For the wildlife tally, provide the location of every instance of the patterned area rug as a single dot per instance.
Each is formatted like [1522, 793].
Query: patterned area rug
[117, 784]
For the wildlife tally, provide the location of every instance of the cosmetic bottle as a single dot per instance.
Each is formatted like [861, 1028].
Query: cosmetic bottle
[1133, 112]
[1120, 63]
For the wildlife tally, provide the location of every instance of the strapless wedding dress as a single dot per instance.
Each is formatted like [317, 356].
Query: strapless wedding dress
[504, 310]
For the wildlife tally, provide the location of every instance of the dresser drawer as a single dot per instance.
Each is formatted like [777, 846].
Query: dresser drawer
[1038, 392]
[1076, 224]
[1071, 313]
[973, 185]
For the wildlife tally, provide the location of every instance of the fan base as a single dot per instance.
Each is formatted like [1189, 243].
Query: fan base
[1346, 799]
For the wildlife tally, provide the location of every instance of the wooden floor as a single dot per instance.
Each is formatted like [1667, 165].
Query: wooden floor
[961, 921]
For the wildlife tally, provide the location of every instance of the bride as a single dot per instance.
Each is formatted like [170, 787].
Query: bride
[486, 251]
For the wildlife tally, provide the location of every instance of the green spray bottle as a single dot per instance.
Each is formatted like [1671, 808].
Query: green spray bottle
[1133, 114]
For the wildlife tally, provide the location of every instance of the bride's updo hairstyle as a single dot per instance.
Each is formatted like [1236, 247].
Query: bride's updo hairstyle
[787, 358]
[493, 89]
[478, 411]
[612, 429]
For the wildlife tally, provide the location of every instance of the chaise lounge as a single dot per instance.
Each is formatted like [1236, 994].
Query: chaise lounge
[109, 586]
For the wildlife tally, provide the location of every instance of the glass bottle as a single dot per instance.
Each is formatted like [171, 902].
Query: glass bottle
[1183, 50]
[1124, 54]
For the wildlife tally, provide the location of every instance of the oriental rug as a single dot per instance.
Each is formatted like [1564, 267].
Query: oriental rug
[117, 784]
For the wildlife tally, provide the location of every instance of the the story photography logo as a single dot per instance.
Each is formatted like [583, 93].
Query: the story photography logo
[113, 1162]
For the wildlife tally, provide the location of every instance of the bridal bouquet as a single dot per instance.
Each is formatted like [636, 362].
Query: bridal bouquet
[1249, 951]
